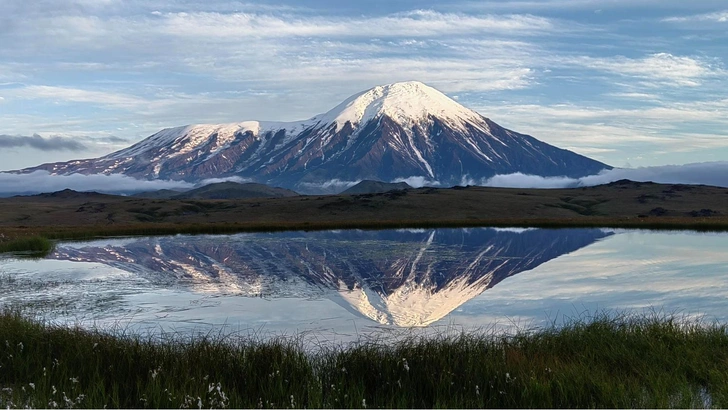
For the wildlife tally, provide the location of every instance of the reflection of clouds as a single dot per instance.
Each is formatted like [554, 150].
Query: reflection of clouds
[685, 273]
[636, 271]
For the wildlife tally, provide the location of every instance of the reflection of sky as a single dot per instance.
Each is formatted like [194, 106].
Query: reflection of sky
[682, 273]
[685, 273]
[93, 294]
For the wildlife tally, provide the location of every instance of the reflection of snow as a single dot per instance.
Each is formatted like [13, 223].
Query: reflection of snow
[414, 305]
[406, 278]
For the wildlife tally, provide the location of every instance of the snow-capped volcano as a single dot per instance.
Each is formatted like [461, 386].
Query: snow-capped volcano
[394, 131]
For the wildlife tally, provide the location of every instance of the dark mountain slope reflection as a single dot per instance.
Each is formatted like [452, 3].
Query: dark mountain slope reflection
[405, 278]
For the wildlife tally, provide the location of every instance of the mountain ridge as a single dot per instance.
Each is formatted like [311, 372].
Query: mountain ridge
[390, 132]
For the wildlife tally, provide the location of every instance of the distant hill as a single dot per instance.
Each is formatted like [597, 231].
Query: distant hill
[161, 194]
[69, 194]
[374, 187]
[234, 190]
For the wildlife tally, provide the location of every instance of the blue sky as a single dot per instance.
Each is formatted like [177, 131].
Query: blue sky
[628, 82]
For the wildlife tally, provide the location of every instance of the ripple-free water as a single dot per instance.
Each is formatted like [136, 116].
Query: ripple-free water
[347, 285]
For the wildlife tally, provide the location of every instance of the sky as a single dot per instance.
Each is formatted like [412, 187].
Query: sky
[631, 83]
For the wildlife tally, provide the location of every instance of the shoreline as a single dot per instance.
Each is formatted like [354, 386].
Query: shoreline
[12, 234]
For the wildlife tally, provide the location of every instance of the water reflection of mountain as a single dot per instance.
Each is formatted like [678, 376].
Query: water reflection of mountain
[405, 277]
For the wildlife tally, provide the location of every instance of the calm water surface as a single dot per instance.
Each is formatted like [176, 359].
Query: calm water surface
[346, 285]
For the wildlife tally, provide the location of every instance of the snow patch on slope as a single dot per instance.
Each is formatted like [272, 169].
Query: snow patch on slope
[174, 142]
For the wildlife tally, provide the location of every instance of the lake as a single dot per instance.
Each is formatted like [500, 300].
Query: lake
[340, 286]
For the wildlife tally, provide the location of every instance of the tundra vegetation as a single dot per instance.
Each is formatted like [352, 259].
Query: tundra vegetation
[622, 204]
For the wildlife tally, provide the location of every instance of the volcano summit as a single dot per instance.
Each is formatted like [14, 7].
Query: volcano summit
[389, 132]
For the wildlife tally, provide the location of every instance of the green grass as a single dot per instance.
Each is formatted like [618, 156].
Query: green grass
[600, 362]
[36, 245]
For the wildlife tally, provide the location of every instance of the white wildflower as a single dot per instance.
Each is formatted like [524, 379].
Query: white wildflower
[364, 403]
[32, 385]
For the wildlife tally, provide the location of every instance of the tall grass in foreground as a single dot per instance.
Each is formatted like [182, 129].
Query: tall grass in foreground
[604, 362]
[34, 245]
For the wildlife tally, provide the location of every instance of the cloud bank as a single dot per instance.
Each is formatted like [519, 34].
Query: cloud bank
[704, 173]
[42, 181]
[333, 186]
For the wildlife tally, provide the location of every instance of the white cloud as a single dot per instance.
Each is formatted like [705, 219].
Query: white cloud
[593, 5]
[659, 68]
[209, 181]
[717, 17]
[706, 173]
[636, 96]
[42, 181]
[331, 186]
[519, 180]
[417, 181]
[68, 94]
[419, 23]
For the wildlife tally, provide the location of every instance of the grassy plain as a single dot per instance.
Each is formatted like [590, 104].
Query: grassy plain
[624, 204]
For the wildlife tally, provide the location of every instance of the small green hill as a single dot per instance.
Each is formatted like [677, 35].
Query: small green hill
[161, 194]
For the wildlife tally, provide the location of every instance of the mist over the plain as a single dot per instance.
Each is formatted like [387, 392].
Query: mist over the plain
[706, 173]
[41, 181]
